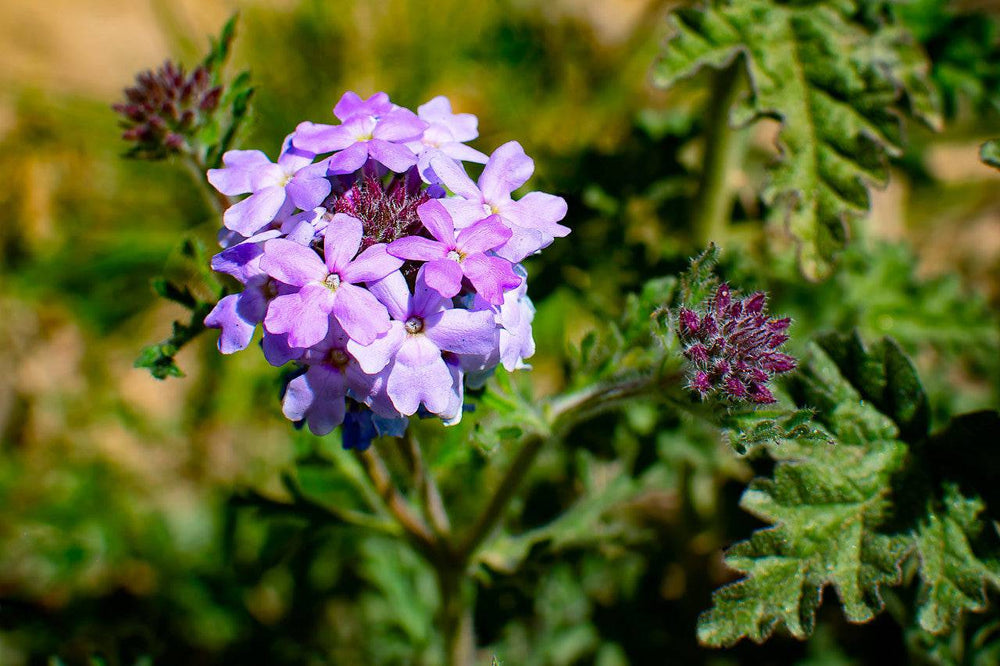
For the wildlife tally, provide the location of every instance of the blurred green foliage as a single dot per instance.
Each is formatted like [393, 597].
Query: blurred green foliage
[162, 522]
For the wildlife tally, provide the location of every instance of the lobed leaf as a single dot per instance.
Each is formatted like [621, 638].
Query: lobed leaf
[836, 86]
[826, 504]
[953, 579]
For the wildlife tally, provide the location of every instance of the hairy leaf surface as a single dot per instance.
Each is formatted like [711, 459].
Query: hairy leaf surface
[837, 88]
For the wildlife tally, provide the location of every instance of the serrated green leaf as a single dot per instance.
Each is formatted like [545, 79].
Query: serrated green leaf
[826, 503]
[754, 427]
[953, 579]
[836, 87]
[820, 385]
[989, 153]
[885, 377]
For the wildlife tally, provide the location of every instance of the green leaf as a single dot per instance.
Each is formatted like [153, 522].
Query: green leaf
[884, 376]
[826, 504]
[953, 579]
[221, 47]
[820, 385]
[989, 153]
[750, 428]
[699, 280]
[837, 89]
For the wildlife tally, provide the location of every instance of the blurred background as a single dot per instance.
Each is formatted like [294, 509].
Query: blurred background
[121, 536]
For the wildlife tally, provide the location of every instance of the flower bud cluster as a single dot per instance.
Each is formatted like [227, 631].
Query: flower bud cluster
[165, 107]
[373, 261]
[732, 345]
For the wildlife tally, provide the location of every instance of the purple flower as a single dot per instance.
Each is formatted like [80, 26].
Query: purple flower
[371, 128]
[329, 288]
[317, 396]
[447, 132]
[409, 355]
[294, 179]
[533, 220]
[238, 314]
[732, 345]
[449, 259]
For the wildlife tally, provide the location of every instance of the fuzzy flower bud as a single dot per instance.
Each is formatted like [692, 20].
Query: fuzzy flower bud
[166, 107]
[730, 344]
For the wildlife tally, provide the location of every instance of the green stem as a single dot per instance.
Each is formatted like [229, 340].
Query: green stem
[457, 604]
[433, 505]
[723, 152]
[197, 168]
[416, 529]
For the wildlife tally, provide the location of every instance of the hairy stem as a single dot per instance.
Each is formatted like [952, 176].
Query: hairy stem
[723, 151]
[457, 603]
[197, 168]
[413, 525]
[431, 501]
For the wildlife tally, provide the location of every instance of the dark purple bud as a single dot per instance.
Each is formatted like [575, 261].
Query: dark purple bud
[754, 305]
[735, 388]
[708, 327]
[777, 340]
[722, 298]
[778, 325]
[777, 363]
[697, 353]
[174, 141]
[761, 395]
[210, 102]
[688, 322]
[701, 383]
[722, 367]
[736, 310]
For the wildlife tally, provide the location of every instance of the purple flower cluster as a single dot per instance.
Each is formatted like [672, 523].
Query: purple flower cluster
[732, 347]
[375, 263]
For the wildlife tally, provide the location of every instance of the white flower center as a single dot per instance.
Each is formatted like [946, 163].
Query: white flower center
[414, 325]
[454, 255]
[332, 281]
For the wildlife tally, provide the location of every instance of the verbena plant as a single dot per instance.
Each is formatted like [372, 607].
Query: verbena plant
[383, 263]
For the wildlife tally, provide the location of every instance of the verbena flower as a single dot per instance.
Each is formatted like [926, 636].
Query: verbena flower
[387, 292]
[732, 347]
[165, 107]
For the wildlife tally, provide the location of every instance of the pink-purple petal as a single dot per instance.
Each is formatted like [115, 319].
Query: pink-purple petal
[461, 331]
[291, 263]
[508, 169]
[491, 276]
[256, 211]
[393, 292]
[396, 156]
[483, 236]
[371, 265]
[360, 313]
[350, 159]
[319, 138]
[419, 374]
[236, 330]
[374, 357]
[436, 220]
[443, 276]
[343, 238]
[454, 177]
[417, 248]
[465, 213]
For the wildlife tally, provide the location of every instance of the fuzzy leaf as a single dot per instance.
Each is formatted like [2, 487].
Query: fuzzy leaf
[826, 503]
[953, 579]
[884, 376]
[837, 88]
